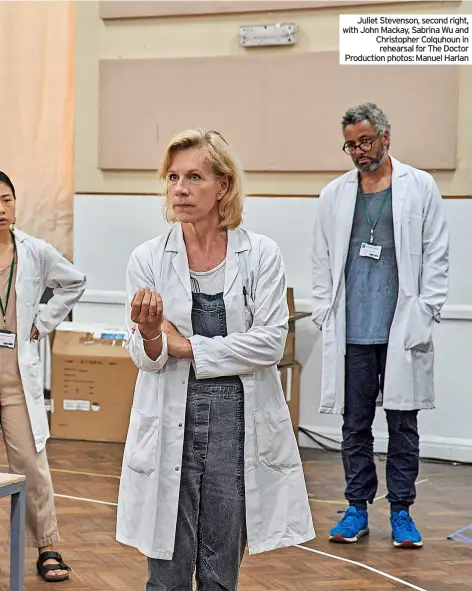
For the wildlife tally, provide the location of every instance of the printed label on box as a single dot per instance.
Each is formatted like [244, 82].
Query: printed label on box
[109, 336]
[77, 405]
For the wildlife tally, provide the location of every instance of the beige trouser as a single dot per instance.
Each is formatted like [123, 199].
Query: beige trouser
[41, 523]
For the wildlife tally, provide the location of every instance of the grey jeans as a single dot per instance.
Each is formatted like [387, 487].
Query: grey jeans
[211, 526]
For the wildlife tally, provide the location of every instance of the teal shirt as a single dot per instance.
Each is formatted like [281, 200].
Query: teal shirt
[371, 285]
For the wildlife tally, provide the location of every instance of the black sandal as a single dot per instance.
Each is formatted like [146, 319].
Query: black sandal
[44, 569]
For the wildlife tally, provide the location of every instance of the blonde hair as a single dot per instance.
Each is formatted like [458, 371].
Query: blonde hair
[223, 164]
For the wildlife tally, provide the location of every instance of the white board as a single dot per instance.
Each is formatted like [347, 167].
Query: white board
[107, 228]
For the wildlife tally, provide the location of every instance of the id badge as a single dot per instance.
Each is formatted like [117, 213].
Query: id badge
[372, 251]
[7, 339]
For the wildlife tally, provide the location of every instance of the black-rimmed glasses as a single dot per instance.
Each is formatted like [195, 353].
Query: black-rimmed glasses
[365, 145]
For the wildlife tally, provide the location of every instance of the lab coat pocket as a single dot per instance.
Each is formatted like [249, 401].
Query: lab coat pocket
[276, 447]
[327, 322]
[414, 225]
[419, 328]
[142, 443]
[30, 290]
[320, 316]
[329, 361]
[34, 371]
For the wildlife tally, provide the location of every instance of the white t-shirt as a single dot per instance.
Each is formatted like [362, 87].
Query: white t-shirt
[209, 282]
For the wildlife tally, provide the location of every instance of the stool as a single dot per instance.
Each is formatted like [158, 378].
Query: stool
[14, 486]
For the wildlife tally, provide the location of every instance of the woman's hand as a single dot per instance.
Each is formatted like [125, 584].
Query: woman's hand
[177, 345]
[34, 334]
[147, 311]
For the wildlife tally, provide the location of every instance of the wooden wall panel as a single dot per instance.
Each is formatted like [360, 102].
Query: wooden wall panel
[118, 9]
[281, 112]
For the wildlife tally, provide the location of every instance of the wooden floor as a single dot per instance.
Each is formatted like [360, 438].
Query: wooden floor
[89, 471]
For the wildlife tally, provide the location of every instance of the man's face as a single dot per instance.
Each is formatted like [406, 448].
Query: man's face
[366, 147]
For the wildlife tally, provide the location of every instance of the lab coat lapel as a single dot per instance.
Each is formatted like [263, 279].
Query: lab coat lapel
[232, 261]
[343, 226]
[237, 243]
[399, 193]
[22, 256]
[180, 260]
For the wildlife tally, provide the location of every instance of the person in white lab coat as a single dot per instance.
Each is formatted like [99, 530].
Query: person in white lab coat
[211, 463]
[27, 267]
[380, 279]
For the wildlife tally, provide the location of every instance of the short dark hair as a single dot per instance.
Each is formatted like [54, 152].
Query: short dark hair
[369, 112]
[4, 178]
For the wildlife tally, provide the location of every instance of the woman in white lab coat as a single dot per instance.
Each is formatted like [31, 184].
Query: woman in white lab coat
[211, 463]
[27, 267]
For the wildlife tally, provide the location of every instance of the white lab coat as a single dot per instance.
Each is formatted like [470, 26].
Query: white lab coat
[422, 252]
[40, 266]
[277, 508]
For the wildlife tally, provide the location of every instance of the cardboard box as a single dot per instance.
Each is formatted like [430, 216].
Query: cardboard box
[92, 386]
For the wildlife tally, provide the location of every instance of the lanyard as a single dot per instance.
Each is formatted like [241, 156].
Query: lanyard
[366, 212]
[10, 282]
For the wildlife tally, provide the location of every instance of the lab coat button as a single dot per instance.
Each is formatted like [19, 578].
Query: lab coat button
[177, 469]
[180, 424]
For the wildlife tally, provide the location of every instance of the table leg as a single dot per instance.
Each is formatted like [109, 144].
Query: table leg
[17, 543]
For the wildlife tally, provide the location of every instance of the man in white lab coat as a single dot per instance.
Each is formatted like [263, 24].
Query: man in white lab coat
[380, 279]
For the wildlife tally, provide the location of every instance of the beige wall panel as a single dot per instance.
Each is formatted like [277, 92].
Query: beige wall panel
[278, 112]
[111, 9]
[164, 38]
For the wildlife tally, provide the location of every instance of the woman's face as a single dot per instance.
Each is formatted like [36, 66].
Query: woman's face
[192, 189]
[7, 206]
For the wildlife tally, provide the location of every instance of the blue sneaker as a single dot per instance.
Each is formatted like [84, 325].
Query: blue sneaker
[404, 532]
[352, 526]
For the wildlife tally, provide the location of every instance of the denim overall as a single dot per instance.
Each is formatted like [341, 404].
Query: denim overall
[211, 522]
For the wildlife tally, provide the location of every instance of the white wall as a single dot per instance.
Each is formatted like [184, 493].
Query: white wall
[107, 228]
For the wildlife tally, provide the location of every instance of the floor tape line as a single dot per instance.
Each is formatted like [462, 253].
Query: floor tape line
[78, 472]
[93, 474]
[361, 565]
[458, 535]
[86, 500]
